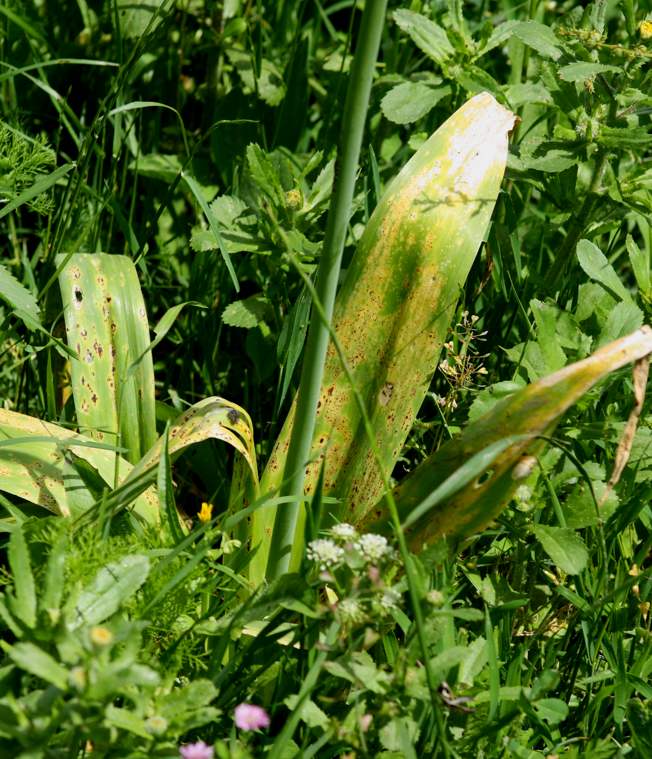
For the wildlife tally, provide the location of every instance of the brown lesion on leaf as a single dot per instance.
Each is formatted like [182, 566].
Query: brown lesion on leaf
[98, 348]
[94, 398]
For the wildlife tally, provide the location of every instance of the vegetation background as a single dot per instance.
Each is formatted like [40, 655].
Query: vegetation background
[136, 128]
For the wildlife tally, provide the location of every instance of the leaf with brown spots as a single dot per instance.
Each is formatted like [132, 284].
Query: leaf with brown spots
[32, 464]
[525, 417]
[106, 321]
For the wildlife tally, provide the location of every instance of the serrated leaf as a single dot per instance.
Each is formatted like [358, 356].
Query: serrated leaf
[564, 546]
[23, 602]
[247, 313]
[552, 161]
[527, 92]
[579, 72]
[311, 714]
[473, 662]
[110, 588]
[474, 80]
[268, 85]
[595, 265]
[227, 209]
[624, 137]
[37, 662]
[426, 34]
[18, 296]
[539, 37]
[125, 719]
[500, 35]
[624, 318]
[552, 710]
[640, 264]
[165, 168]
[410, 101]
[136, 18]
[489, 396]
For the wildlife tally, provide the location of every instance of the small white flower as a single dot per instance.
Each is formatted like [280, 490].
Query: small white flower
[156, 725]
[373, 547]
[344, 531]
[390, 599]
[350, 611]
[324, 552]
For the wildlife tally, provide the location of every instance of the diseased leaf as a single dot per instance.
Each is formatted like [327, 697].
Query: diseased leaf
[564, 546]
[107, 327]
[425, 232]
[32, 463]
[526, 416]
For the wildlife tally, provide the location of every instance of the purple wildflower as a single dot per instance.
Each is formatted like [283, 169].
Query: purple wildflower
[197, 750]
[250, 717]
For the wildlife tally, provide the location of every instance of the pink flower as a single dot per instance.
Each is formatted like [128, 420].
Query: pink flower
[197, 750]
[250, 717]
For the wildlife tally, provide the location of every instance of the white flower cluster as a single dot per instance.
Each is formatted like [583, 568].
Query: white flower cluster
[350, 611]
[344, 532]
[390, 599]
[325, 553]
[374, 548]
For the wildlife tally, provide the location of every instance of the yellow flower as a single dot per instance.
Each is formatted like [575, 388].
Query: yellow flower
[206, 513]
[645, 29]
[101, 636]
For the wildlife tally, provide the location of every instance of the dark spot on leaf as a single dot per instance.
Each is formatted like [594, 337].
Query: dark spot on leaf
[78, 295]
[484, 477]
[234, 416]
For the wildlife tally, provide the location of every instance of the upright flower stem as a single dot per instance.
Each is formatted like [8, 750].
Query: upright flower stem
[355, 112]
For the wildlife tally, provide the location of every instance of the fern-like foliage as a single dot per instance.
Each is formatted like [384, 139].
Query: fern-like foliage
[22, 160]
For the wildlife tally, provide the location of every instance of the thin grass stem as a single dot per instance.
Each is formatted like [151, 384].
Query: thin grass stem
[355, 112]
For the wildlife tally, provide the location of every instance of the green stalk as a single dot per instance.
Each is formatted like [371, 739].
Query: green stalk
[355, 112]
[394, 517]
